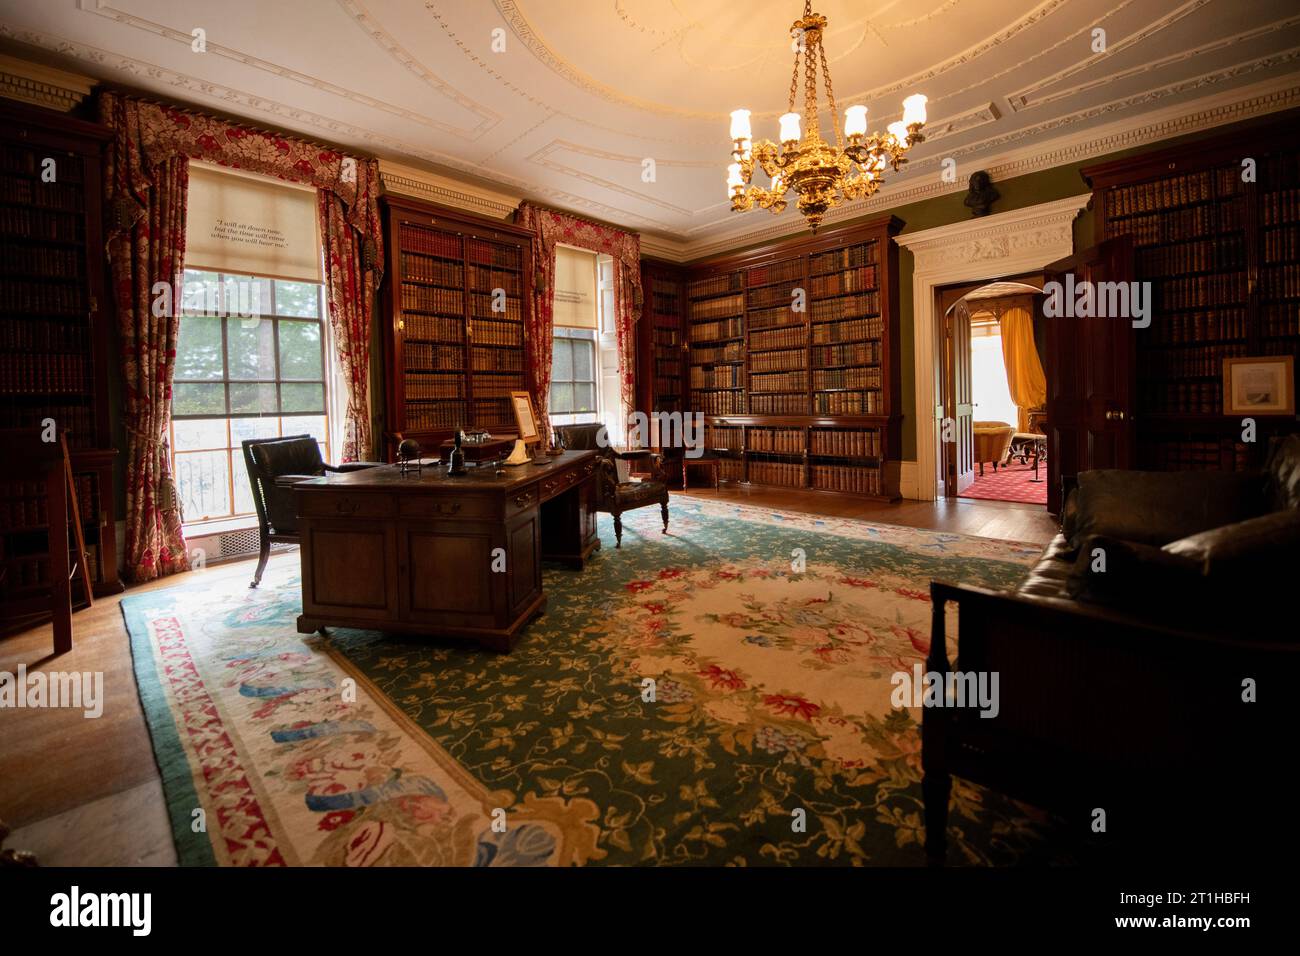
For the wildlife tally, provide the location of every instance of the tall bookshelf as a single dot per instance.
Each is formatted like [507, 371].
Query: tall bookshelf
[54, 341]
[661, 377]
[456, 296]
[1223, 257]
[801, 398]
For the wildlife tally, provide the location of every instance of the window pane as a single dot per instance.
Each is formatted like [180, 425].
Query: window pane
[243, 489]
[300, 354]
[313, 425]
[584, 397]
[203, 481]
[244, 428]
[198, 348]
[302, 398]
[561, 398]
[296, 298]
[249, 397]
[199, 292]
[582, 359]
[192, 434]
[251, 344]
[562, 361]
[190, 398]
[245, 297]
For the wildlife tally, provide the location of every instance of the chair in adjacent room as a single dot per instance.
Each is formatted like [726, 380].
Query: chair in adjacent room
[614, 493]
[992, 439]
[274, 466]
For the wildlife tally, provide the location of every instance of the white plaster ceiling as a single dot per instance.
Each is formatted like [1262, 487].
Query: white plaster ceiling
[586, 90]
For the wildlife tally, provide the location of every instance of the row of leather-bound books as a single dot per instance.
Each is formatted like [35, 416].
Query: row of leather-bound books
[785, 441]
[1225, 252]
[779, 382]
[868, 377]
[790, 360]
[23, 503]
[48, 372]
[73, 418]
[1172, 191]
[1180, 225]
[857, 480]
[1194, 362]
[838, 443]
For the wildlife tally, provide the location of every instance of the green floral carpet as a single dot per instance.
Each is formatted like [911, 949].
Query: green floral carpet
[718, 695]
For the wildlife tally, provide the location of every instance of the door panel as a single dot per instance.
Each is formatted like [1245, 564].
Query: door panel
[1090, 371]
[963, 409]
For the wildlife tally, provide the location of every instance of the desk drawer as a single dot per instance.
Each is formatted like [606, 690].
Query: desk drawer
[337, 504]
[450, 507]
[553, 485]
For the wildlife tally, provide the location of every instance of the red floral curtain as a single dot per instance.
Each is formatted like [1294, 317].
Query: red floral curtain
[350, 289]
[551, 227]
[146, 183]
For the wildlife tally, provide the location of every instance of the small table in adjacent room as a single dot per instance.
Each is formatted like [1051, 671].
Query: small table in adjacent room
[427, 553]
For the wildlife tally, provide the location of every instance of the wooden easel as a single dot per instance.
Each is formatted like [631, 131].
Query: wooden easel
[48, 461]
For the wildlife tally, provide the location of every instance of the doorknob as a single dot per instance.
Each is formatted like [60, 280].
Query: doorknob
[1115, 415]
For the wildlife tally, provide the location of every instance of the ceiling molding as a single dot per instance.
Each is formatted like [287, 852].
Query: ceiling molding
[42, 85]
[488, 119]
[1032, 95]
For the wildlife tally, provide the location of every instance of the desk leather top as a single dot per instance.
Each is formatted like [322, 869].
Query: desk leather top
[434, 478]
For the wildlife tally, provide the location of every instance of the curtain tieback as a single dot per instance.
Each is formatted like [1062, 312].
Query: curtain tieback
[169, 498]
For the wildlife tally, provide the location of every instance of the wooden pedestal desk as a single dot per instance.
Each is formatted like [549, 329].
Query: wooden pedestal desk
[415, 553]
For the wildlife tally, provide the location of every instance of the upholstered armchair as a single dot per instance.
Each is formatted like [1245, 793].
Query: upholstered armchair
[614, 495]
[275, 465]
[992, 439]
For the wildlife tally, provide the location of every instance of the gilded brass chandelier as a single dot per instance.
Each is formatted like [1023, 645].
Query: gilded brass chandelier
[822, 174]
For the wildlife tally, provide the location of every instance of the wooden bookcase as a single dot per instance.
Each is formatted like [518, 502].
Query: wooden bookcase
[54, 342]
[1223, 257]
[801, 399]
[661, 375]
[456, 296]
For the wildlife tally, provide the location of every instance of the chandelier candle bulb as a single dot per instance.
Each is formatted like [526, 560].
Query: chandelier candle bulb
[790, 128]
[913, 110]
[740, 125]
[898, 130]
[735, 179]
[855, 120]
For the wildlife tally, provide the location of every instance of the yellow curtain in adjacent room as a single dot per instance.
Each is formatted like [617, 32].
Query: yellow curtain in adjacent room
[575, 288]
[1025, 378]
[242, 224]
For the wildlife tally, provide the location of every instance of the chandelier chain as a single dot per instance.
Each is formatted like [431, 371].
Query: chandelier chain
[794, 79]
[810, 89]
[830, 95]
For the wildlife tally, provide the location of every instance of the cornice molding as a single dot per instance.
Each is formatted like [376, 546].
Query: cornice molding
[42, 85]
[1047, 228]
[422, 184]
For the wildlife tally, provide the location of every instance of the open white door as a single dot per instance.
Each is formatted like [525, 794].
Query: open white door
[958, 431]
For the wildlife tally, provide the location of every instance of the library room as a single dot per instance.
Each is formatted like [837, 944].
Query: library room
[539, 434]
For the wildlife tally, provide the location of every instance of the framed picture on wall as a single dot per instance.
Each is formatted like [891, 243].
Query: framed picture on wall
[1263, 385]
[525, 417]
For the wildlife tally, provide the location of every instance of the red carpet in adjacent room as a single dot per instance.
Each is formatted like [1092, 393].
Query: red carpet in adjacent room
[1010, 484]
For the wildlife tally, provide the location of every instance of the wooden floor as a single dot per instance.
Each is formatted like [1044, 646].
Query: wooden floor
[86, 792]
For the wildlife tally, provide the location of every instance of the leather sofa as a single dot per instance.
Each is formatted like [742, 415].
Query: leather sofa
[1145, 666]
